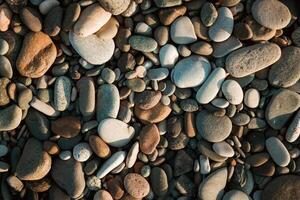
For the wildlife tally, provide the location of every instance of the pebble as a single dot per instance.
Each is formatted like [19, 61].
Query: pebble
[115, 7]
[208, 14]
[190, 72]
[272, 14]
[3, 150]
[236, 195]
[108, 102]
[111, 163]
[136, 185]
[168, 55]
[167, 3]
[82, 152]
[4, 47]
[159, 181]
[220, 103]
[143, 29]
[242, 31]
[147, 99]
[43, 107]
[91, 19]
[62, 93]
[248, 60]
[260, 32]
[161, 35]
[223, 149]
[213, 186]
[232, 91]
[102, 195]
[202, 48]
[182, 31]
[281, 107]
[282, 187]
[168, 15]
[45, 6]
[34, 163]
[149, 138]
[38, 124]
[69, 176]
[158, 74]
[52, 22]
[66, 126]
[5, 16]
[15, 183]
[252, 98]
[65, 155]
[87, 96]
[210, 88]
[132, 155]
[286, 71]
[142, 43]
[278, 151]
[222, 27]
[258, 159]
[36, 46]
[10, 118]
[221, 49]
[115, 132]
[293, 131]
[4, 96]
[71, 15]
[213, 128]
[4, 167]
[31, 18]
[204, 165]
[93, 49]
[109, 30]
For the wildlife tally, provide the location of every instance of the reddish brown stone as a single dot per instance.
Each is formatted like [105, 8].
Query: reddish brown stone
[99, 147]
[149, 138]
[67, 126]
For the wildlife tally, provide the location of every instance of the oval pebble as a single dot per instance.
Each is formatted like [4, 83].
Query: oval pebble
[182, 31]
[136, 185]
[252, 98]
[82, 152]
[142, 43]
[87, 96]
[293, 131]
[236, 195]
[6, 68]
[223, 149]
[168, 55]
[232, 92]
[62, 93]
[278, 151]
[10, 118]
[132, 155]
[3, 150]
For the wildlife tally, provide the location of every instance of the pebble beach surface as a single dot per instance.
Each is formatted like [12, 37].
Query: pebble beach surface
[150, 99]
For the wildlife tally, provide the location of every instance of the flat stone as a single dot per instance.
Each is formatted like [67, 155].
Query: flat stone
[115, 7]
[281, 107]
[34, 163]
[286, 71]
[5, 16]
[208, 14]
[87, 96]
[293, 131]
[213, 128]
[10, 118]
[82, 152]
[142, 43]
[93, 49]
[136, 84]
[71, 15]
[248, 60]
[232, 91]
[223, 26]
[278, 151]
[271, 14]
[102, 195]
[258, 159]
[236, 195]
[109, 30]
[56, 193]
[168, 55]
[115, 132]
[35, 47]
[221, 49]
[159, 181]
[46, 5]
[62, 93]
[210, 88]
[31, 18]
[259, 32]
[282, 187]
[168, 15]
[202, 48]
[149, 138]
[223, 149]
[99, 147]
[183, 163]
[182, 31]
[69, 176]
[52, 21]
[4, 96]
[136, 185]
[242, 31]
[147, 99]
[6, 68]
[132, 155]
[252, 98]
[212, 187]
[190, 72]
[161, 35]
[115, 160]
[167, 3]
[91, 19]
[108, 102]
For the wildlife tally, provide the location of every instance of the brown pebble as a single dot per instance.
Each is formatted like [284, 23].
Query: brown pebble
[136, 185]
[99, 147]
[31, 18]
[147, 99]
[67, 126]
[189, 124]
[267, 169]
[168, 15]
[149, 138]
[115, 187]
[102, 195]
[51, 147]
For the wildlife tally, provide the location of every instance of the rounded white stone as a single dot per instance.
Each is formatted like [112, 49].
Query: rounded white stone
[132, 155]
[223, 149]
[252, 98]
[82, 152]
[168, 55]
[233, 92]
[278, 151]
[182, 31]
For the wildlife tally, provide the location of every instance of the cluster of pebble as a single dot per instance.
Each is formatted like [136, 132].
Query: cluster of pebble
[154, 100]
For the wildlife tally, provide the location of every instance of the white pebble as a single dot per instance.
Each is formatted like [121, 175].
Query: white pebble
[132, 155]
[204, 165]
[252, 98]
[82, 152]
[65, 155]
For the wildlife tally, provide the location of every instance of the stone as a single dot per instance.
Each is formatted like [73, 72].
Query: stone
[286, 71]
[91, 19]
[10, 118]
[248, 60]
[46, 5]
[102, 195]
[185, 186]
[71, 15]
[87, 96]
[99, 147]
[53, 20]
[167, 3]
[161, 35]
[240, 119]
[5, 17]
[93, 49]
[142, 43]
[272, 14]
[39, 186]
[191, 71]
[259, 32]
[149, 138]
[31, 18]
[281, 107]
[208, 14]
[37, 55]
[34, 163]
[180, 142]
[210, 88]
[65, 155]
[223, 26]
[252, 98]
[154, 115]
[282, 187]
[24, 97]
[221, 49]
[115, 7]
[115, 132]
[258, 159]
[62, 93]
[213, 128]
[56, 193]
[232, 91]
[202, 48]
[3, 150]
[136, 185]
[223, 149]
[158, 74]
[111, 163]
[122, 39]
[168, 15]
[159, 181]
[147, 99]
[293, 131]
[66, 126]
[38, 124]
[236, 195]
[183, 163]
[136, 84]
[296, 36]
[4, 47]
[143, 29]
[82, 152]
[15, 183]
[212, 187]
[115, 187]
[168, 56]
[109, 30]
[278, 151]
[4, 96]
[4, 167]
[69, 176]
[242, 31]
[108, 102]
[132, 155]
[182, 31]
